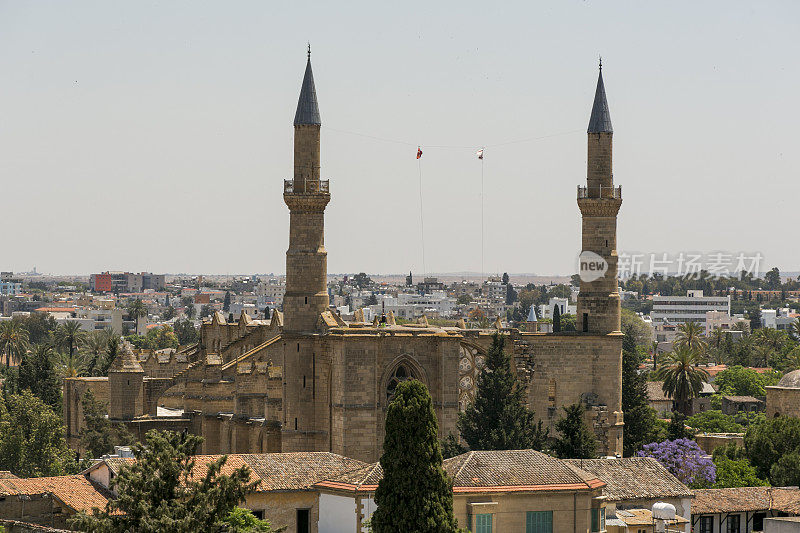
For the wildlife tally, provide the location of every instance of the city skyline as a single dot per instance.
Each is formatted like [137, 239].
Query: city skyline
[138, 137]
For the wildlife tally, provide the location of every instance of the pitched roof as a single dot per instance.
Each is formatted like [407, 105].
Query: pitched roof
[600, 120]
[126, 361]
[634, 478]
[5, 474]
[307, 107]
[655, 392]
[75, 492]
[487, 471]
[742, 399]
[297, 470]
[730, 500]
[273, 471]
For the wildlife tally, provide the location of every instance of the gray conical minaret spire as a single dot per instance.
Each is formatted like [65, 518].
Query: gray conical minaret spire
[600, 121]
[307, 107]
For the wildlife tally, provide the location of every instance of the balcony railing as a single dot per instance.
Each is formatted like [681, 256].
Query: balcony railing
[311, 186]
[600, 192]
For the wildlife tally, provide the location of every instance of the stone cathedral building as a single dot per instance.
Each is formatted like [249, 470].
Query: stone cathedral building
[308, 381]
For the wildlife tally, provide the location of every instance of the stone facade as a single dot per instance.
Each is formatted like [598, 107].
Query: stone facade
[308, 381]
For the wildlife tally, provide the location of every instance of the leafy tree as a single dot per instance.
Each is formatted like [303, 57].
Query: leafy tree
[634, 326]
[451, 447]
[40, 327]
[677, 427]
[735, 473]
[37, 373]
[641, 422]
[32, 440]
[505, 278]
[415, 493]
[190, 311]
[786, 471]
[556, 319]
[206, 310]
[158, 492]
[683, 379]
[684, 459]
[371, 300]
[742, 381]
[511, 294]
[169, 313]
[568, 322]
[13, 341]
[559, 291]
[773, 279]
[186, 332]
[714, 422]
[755, 318]
[576, 441]
[464, 299]
[226, 304]
[69, 336]
[499, 417]
[767, 442]
[99, 436]
[242, 520]
[137, 310]
[642, 426]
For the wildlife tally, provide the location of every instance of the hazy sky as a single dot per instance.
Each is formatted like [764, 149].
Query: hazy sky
[156, 135]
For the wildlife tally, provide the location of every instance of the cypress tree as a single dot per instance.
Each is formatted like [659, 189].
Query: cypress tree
[576, 440]
[556, 319]
[415, 493]
[499, 418]
[226, 304]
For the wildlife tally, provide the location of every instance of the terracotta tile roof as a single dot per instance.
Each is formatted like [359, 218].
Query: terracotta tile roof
[297, 470]
[740, 499]
[76, 492]
[742, 399]
[634, 478]
[786, 500]
[5, 474]
[56, 309]
[655, 393]
[274, 471]
[487, 471]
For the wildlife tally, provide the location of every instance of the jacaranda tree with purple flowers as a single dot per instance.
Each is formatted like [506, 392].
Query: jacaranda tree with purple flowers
[685, 459]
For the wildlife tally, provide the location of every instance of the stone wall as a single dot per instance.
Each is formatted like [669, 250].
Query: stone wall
[783, 401]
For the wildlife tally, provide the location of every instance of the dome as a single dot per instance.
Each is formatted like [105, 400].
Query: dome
[790, 380]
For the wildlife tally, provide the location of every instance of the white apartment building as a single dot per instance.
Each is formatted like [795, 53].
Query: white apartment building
[98, 319]
[780, 319]
[721, 320]
[690, 308]
[270, 293]
[564, 308]
[406, 305]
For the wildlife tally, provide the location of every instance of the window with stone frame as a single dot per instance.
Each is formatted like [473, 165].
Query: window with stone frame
[402, 372]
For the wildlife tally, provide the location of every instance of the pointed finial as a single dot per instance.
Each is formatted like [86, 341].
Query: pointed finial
[309, 51]
[601, 62]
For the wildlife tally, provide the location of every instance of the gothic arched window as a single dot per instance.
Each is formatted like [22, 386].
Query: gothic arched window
[402, 373]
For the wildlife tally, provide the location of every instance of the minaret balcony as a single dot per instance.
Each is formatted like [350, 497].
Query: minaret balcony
[311, 187]
[600, 192]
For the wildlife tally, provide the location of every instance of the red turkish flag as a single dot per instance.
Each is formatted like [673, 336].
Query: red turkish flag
[419, 152]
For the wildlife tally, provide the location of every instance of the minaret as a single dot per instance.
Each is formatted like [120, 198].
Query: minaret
[599, 202]
[306, 195]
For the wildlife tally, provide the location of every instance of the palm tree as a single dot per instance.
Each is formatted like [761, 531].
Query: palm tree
[95, 348]
[71, 364]
[136, 310]
[717, 337]
[13, 340]
[69, 336]
[690, 335]
[683, 379]
[771, 337]
[796, 329]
